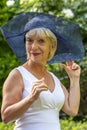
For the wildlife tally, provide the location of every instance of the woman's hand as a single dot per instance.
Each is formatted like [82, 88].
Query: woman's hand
[73, 70]
[37, 88]
[72, 97]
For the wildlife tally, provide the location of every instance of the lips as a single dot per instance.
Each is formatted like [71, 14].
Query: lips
[35, 54]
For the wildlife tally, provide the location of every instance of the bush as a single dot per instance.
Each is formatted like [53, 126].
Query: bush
[70, 124]
[6, 126]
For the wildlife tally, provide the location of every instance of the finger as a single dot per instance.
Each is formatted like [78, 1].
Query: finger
[35, 93]
[43, 89]
[64, 66]
[43, 85]
[38, 89]
[75, 66]
[39, 85]
[69, 63]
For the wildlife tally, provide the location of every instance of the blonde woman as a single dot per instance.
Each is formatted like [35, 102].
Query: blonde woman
[33, 96]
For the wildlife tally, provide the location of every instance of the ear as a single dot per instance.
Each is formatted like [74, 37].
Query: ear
[53, 46]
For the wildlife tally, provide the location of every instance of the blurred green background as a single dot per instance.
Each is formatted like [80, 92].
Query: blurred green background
[74, 10]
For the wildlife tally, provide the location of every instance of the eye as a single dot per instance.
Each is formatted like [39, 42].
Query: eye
[41, 41]
[29, 40]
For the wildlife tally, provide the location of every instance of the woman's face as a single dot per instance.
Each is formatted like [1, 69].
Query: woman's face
[38, 48]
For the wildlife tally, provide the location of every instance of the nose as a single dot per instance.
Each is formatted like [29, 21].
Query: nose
[35, 45]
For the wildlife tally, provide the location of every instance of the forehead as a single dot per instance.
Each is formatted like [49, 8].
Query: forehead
[36, 32]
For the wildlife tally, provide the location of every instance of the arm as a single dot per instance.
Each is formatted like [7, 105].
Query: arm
[12, 105]
[72, 98]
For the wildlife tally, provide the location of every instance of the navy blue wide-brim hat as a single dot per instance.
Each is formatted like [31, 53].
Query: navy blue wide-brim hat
[70, 46]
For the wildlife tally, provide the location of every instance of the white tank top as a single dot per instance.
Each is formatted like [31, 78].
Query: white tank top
[44, 112]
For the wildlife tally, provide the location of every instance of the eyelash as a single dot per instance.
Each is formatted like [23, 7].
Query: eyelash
[31, 41]
[41, 41]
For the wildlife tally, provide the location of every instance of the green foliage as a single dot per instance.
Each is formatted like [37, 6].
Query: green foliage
[70, 124]
[79, 10]
[6, 126]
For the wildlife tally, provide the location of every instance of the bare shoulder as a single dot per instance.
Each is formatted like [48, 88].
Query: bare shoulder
[14, 74]
[14, 79]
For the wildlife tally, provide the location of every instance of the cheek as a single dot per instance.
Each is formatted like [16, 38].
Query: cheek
[27, 48]
[47, 51]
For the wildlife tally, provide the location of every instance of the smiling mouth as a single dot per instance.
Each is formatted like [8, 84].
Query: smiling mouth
[35, 54]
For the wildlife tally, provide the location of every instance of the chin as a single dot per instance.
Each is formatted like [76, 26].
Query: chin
[35, 60]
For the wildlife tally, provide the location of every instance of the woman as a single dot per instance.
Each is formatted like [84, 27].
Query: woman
[33, 96]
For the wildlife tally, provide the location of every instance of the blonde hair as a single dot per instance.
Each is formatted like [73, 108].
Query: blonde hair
[45, 32]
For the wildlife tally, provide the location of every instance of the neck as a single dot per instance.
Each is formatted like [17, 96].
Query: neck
[36, 66]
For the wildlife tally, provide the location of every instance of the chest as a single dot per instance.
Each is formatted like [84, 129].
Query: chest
[47, 99]
[51, 99]
[48, 79]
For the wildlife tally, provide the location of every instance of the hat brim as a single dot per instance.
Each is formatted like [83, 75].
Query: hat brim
[70, 46]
